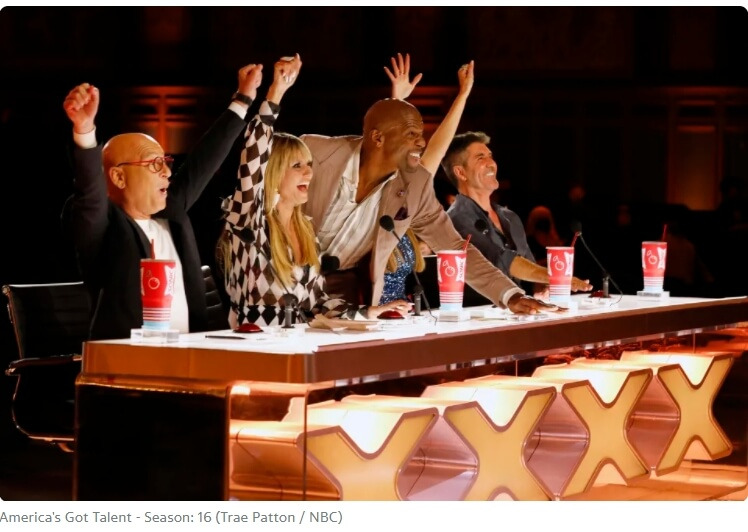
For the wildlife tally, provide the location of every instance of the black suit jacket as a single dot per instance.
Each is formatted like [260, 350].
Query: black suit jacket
[110, 244]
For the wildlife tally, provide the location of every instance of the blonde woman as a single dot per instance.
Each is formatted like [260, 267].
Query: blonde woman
[265, 224]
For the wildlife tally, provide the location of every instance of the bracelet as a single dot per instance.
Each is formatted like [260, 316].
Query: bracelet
[243, 98]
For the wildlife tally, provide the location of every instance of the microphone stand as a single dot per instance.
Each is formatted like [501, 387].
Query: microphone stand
[386, 223]
[289, 301]
[417, 295]
[606, 276]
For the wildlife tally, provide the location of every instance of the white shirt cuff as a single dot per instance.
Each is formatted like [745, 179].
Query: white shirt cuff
[85, 140]
[239, 109]
[508, 295]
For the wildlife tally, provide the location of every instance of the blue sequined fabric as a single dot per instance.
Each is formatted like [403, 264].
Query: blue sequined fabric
[394, 282]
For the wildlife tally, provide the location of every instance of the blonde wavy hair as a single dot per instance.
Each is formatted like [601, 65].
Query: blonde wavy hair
[285, 148]
[397, 257]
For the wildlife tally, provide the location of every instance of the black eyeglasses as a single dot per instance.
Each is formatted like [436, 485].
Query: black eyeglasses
[154, 165]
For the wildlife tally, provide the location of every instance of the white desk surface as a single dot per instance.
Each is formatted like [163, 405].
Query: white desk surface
[307, 351]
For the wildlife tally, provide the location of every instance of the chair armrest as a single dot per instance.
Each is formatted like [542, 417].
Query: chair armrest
[16, 367]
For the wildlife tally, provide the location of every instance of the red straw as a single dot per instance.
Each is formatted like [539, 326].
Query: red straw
[664, 232]
[574, 240]
[153, 249]
[467, 241]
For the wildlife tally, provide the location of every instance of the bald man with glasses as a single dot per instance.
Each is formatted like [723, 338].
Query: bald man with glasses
[129, 205]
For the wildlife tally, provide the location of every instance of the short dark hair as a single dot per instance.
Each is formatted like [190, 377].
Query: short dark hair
[456, 152]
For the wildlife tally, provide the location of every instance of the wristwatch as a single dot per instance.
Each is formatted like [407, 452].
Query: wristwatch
[239, 97]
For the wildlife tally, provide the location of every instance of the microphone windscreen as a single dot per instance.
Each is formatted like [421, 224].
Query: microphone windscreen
[289, 300]
[576, 226]
[387, 223]
[481, 225]
[246, 235]
[329, 264]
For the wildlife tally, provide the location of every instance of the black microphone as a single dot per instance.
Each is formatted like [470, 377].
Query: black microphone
[329, 264]
[417, 298]
[246, 235]
[288, 301]
[481, 226]
[606, 275]
[388, 224]
[288, 304]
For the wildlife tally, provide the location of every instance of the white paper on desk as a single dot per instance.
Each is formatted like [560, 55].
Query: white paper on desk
[495, 313]
[338, 324]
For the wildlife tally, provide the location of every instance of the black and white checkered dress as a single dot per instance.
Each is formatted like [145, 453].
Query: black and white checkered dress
[254, 291]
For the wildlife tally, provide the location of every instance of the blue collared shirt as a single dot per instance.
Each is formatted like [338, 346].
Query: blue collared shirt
[500, 249]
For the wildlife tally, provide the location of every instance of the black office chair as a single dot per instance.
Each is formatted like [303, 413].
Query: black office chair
[50, 322]
[218, 317]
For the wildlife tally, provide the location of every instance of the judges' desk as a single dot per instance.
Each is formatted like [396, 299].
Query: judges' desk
[255, 415]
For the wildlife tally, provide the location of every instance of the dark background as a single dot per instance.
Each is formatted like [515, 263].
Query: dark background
[645, 108]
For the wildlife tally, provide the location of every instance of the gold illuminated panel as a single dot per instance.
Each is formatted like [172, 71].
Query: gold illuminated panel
[445, 466]
[373, 446]
[605, 407]
[693, 386]
[655, 418]
[267, 462]
[502, 433]
[560, 441]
